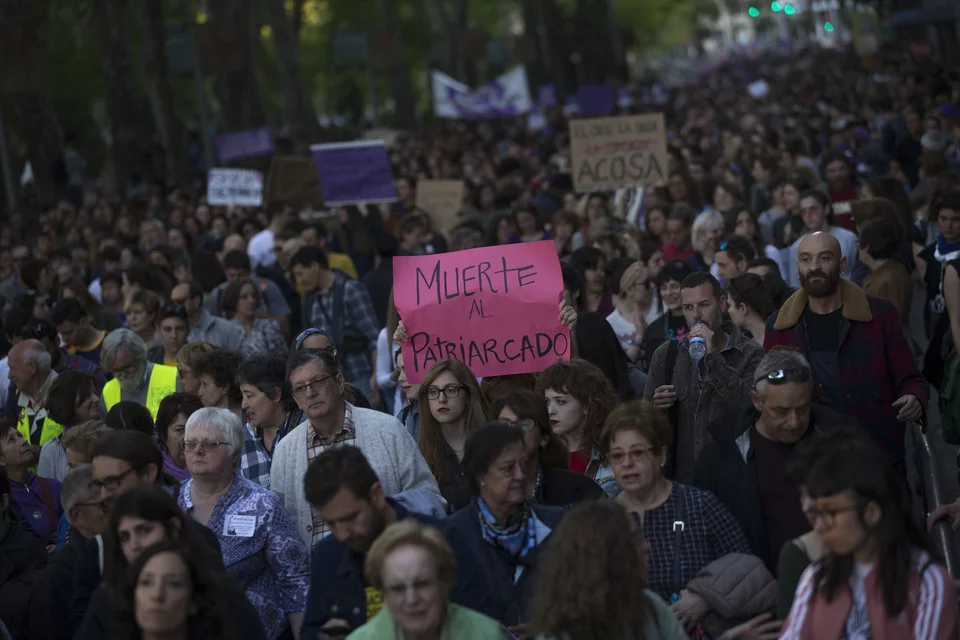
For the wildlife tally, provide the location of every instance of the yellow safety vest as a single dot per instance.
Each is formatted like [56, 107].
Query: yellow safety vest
[163, 382]
[48, 431]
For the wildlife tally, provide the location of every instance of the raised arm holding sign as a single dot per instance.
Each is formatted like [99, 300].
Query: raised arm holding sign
[493, 308]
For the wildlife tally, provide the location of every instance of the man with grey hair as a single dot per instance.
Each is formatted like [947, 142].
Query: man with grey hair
[54, 589]
[30, 370]
[747, 452]
[124, 355]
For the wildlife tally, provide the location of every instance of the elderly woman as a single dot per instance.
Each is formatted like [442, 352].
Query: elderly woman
[415, 569]
[635, 439]
[261, 545]
[186, 359]
[706, 234]
[497, 537]
[549, 481]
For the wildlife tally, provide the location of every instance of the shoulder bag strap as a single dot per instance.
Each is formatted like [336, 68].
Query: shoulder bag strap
[99, 539]
[673, 412]
[679, 524]
[340, 312]
[47, 497]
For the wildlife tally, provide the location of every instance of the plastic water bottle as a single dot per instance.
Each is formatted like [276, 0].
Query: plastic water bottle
[697, 347]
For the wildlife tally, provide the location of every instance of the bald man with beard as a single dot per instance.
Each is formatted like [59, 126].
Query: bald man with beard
[862, 365]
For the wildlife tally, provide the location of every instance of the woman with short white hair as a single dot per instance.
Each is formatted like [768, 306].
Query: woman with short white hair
[706, 235]
[261, 545]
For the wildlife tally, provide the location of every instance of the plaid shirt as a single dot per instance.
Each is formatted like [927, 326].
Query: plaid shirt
[317, 444]
[709, 532]
[360, 314]
[875, 363]
[255, 460]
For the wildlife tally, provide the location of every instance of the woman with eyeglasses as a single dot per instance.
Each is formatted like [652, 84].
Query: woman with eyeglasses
[635, 438]
[548, 479]
[451, 407]
[879, 577]
[174, 328]
[499, 537]
[262, 547]
[414, 568]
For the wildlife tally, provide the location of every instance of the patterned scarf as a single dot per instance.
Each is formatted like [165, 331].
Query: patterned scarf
[518, 536]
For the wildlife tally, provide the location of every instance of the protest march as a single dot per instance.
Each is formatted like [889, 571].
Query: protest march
[637, 342]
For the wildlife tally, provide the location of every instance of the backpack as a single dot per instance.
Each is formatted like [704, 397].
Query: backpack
[950, 399]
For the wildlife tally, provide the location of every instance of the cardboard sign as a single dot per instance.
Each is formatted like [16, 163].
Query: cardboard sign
[293, 181]
[625, 151]
[495, 309]
[352, 172]
[442, 199]
[235, 186]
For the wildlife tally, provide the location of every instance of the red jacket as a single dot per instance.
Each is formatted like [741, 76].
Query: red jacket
[930, 612]
[875, 362]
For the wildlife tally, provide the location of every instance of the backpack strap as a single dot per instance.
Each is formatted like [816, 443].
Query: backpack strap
[47, 496]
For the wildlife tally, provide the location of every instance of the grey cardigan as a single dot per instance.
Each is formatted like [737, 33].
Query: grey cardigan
[386, 444]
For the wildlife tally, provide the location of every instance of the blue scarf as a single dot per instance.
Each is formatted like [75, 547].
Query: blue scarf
[944, 247]
[518, 536]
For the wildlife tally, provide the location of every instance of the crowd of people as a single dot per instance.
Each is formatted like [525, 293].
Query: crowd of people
[209, 430]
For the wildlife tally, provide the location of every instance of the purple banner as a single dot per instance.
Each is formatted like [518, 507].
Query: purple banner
[547, 96]
[244, 144]
[352, 172]
[595, 100]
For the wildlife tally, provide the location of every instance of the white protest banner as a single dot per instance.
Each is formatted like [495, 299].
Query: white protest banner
[623, 151]
[241, 187]
[507, 95]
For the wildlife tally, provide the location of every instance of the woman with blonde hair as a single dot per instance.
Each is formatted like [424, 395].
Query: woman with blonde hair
[705, 236]
[415, 569]
[451, 408]
[593, 585]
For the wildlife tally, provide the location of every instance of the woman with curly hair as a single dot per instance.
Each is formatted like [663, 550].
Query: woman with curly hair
[593, 582]
[579, 398]
[171, 593]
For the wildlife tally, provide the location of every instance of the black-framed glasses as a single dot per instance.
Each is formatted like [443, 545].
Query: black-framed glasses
[451, 392]
[783, 376]
[316, 384]
[110, 483]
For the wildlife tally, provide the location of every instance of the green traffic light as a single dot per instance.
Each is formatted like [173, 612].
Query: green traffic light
[789, 10]
[828, 27]
[775, 6]
[753, 12]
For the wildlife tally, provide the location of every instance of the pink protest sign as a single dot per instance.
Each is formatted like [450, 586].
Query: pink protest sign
[495, 309]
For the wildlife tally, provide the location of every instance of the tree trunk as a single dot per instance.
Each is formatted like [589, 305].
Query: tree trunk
[39, 129]
[173, 136]
[132, 142]
[300, 117]
[398, 75]
[237, 89]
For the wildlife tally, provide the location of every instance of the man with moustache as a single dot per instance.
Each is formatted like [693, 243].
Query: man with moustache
[861, 362]
[697, 393]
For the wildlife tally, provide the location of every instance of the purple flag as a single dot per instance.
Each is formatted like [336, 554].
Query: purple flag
[352, 172]
[243, 144]
[595, 100]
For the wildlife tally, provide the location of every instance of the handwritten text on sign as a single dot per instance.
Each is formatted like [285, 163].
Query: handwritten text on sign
[235, 186]
[495, 309]
[623, 151]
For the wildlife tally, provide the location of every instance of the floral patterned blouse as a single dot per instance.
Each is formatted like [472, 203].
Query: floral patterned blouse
[262, 549]
[266, 337]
